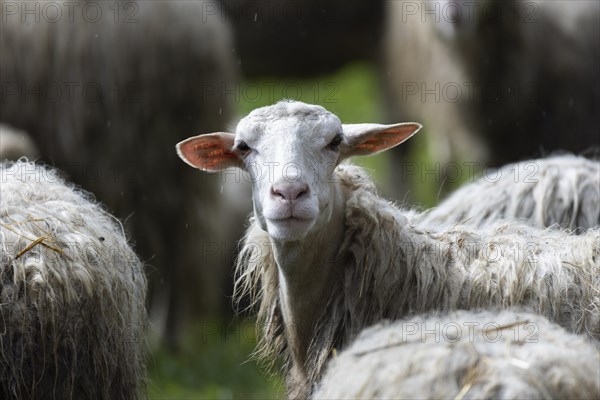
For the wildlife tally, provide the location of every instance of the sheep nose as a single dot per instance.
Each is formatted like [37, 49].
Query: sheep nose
[289, 191]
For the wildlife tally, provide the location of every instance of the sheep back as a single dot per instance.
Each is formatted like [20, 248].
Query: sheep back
[72, 293]
[470, 355]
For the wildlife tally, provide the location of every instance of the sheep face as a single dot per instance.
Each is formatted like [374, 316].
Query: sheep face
[291, 160]
[290, 150]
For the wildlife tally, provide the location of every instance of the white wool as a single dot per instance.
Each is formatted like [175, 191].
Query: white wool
[395, 267]
[561, 191]
[471, 355]
[325, 258]
[72, 293]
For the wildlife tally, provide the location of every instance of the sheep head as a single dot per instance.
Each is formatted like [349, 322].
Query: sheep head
[290, 150]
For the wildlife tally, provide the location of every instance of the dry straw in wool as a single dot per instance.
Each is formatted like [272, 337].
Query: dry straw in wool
[72, 293]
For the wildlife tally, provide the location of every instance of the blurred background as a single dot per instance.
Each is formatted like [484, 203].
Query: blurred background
[103, 90]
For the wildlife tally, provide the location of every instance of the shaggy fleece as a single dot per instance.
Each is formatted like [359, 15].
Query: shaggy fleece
[561, 191]
[396, 267]
[72, 293]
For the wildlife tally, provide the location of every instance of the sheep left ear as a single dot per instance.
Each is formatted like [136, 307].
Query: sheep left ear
[365, 139]
[211, 153]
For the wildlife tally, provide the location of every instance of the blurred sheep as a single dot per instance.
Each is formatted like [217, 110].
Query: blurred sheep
[420, 75]
[465, 355]
[72, 293]
[495, 81]
[537, 64]
[105, 91]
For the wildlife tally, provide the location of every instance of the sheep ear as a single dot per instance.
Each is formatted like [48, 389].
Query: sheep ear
[365, 139]
[212, 152]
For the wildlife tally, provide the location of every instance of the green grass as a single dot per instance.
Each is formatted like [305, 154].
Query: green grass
[213, 363]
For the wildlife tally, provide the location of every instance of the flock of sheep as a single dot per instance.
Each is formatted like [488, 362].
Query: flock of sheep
[494, 293]
[330, 265]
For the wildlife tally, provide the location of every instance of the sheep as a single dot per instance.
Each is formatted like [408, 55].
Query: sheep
[562, 190]
[72, 293]
[537, 62]
[325, 256]
[103, 90]
[495, 81]
[471, 355]
[421, 77]
[15, 144]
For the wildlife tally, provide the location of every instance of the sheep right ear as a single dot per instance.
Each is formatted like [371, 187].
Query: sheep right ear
[212, 152]
[366, 139]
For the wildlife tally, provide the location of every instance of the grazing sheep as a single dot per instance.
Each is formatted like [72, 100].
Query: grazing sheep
[561, 190]
[72, 293]
[104, 90]
[465, 355]
[325, 256]
[15, 144]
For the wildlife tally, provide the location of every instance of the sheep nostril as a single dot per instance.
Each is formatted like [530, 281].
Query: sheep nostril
[301, 192]
[277, 193]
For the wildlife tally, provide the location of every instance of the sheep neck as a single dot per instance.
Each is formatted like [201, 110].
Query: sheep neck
[307, 273]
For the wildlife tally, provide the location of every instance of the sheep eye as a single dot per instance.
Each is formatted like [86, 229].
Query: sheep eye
[335, 143]
[243, 147]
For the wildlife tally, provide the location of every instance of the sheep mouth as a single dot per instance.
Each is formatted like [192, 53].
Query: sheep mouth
[289, 214]
[291, 218]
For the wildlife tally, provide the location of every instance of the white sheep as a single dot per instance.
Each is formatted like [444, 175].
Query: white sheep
[561, 191]
[72, 293]
[465, 355]
[325, 256]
